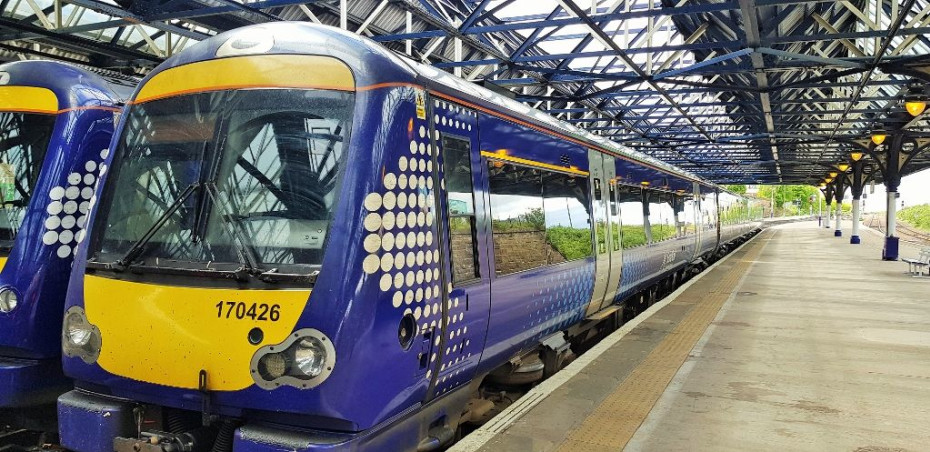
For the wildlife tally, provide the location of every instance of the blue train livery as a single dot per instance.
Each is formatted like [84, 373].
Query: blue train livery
[56, 123]
[306, 242]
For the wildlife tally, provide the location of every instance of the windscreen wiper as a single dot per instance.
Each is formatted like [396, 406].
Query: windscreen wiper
[136, 248]
[246, 257]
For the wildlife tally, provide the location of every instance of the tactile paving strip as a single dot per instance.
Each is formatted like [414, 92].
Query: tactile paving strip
[611, 425]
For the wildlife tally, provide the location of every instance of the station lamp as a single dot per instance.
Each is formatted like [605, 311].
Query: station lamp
[915, 101]
[828, 180]
[856, 156]
[879, 135]
[842, 167]
[833, 174]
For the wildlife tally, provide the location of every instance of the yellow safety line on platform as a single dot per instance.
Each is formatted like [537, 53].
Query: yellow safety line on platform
[611, 425]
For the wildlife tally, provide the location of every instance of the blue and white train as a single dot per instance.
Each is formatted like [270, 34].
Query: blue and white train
[56, 122]
[306, 242]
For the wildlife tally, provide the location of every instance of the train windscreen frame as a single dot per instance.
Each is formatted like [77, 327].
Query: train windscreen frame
[24, 141]
[226, 180]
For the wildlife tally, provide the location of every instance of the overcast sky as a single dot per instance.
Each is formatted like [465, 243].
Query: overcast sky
[914, 189]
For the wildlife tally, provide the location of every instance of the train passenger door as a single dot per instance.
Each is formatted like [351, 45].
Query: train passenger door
[606, 225]
[464, 235]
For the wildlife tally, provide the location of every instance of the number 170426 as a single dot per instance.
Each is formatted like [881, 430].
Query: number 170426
[255, 311]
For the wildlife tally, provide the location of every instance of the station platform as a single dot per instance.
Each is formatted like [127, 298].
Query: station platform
[796, 341]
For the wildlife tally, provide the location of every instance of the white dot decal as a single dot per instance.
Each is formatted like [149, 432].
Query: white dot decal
[56, 193]
[397, 300]
[87, 192]
[52, 222]
[72, 192]
[64, 251]
[388, 220]
[386, 262]
[371, 243]
[50, 237]
[390, 200]
[54, 207]
[68, 222]
[385, 282]
[422, 132]
[89, 179]
[400, 240]
[413, 146]
[65, 237]
[402, 181]
[104, 153]
[402, 200]
[372, 222]
[387, 242]
[390, 181]
[372, 202]
[74, 178]
[370, 264]
[70, 207]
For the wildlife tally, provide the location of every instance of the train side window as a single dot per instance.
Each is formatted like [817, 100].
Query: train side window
[460, 204]
[633, 232]
[685, 215]
[518, 220]
[568, 220]
[661, 216]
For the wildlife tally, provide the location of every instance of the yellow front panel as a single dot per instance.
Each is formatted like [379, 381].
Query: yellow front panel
[28, 99]
[165, 334]
[254, 71]
[2, 263]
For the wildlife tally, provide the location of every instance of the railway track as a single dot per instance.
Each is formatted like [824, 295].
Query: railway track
[903, 230]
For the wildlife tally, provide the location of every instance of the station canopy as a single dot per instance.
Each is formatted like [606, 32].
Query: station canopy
[737, 91]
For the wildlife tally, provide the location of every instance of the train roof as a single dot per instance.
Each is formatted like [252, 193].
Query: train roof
[74, 86]
[373, 64]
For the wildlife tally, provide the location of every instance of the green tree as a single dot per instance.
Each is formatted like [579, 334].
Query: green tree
[738, 189]
[805, 194]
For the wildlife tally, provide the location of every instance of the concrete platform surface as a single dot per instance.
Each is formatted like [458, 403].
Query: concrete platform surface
[808, 343]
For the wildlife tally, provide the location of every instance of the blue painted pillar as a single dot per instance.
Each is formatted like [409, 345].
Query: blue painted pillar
[838, 192]
[858, 183]
[828, 196]
[892, 181]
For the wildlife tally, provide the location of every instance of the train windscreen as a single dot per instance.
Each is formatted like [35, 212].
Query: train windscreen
[243, 178]
[24, 140]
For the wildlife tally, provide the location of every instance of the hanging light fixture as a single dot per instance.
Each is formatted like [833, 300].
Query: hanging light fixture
[828, 180]
[915, 101]
[856, 156]
[842, 167]
[833, 174]
[879, 135]
[823, 185]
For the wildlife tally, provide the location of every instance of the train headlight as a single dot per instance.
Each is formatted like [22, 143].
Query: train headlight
[8, 300]
[79, 337]
[303, 360]
[310, 356]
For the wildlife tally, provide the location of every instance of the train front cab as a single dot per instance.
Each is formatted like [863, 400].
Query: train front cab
[56, 121]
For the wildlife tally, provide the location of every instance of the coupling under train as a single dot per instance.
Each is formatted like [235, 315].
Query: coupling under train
[56, 123]
[306, 242]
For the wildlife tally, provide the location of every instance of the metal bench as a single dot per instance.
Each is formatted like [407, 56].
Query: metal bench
[916, 266]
